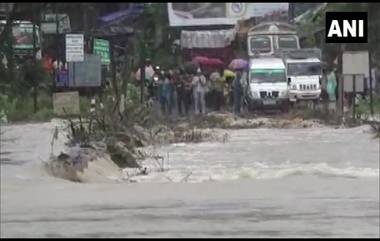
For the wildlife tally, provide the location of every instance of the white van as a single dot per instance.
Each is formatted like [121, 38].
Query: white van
[267, 84]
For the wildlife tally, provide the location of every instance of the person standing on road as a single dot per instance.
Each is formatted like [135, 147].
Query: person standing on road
[324, 95]
[153, 88]
[173, 78]
[239, 85]
[168, 92]
[188, 92]
[199, 85]
[229, 91]
[217, 90]
[180, 87]
[164, 92]
[331, 89]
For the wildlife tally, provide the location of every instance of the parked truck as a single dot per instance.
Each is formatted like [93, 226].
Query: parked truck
[268, 45]
[268, 86]
[266, 39]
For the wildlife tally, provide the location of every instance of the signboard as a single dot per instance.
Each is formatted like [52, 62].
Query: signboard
[51, 28]
[62, 78]
[50, 24]
[356, 62]
[66, 102]
[23, 36]
[74, 47]
[200, 13]
[87, 73]
[102, 48]
[348, 84]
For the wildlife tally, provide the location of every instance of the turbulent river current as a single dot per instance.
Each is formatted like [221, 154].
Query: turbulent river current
[312, 182]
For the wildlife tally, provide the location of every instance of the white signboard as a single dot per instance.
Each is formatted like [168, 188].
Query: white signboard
[349, 83]
[200, 13]
[50, 24]
[356, 62]
[66, 103]
[74, 47]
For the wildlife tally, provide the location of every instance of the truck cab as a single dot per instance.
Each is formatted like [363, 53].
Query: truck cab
[266, 39]
[268, 87]
[304, 73]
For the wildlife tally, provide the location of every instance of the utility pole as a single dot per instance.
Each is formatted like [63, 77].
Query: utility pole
[85, 26]
[125, 72]
[86, 47]
[354, 97]
[34, 61]
[57, 39]
[291, 12]
[142, 67]
[340, 80]
[370, 83]
[113, 75]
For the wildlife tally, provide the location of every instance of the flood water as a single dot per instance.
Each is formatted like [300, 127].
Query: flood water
[318, 182]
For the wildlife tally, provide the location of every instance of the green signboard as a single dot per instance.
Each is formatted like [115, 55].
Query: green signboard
[102, 48]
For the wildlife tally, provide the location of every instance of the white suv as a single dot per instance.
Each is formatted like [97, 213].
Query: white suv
[267, 84]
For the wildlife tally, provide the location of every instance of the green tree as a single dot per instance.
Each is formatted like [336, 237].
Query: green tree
[330, 51]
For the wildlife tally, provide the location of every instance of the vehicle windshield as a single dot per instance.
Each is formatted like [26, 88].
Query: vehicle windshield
[287, 42]
[298, 69]
[261, 44]
[267, 75]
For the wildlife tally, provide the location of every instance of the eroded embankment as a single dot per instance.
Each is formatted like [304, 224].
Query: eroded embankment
[105, 161]
[84, 165]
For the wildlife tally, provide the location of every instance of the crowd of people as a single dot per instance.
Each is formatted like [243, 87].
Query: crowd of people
[181, 91]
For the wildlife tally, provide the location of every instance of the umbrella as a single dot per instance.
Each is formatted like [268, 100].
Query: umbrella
[215, 62]
[211, 62]
[200, 59]
[228, 73]
[238, 64]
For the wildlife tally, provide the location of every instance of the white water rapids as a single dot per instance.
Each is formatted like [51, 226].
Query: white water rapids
[317, 182]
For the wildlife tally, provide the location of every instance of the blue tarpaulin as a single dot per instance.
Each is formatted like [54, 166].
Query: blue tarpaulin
[131, 12]
[62, 79]
[119, 23]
